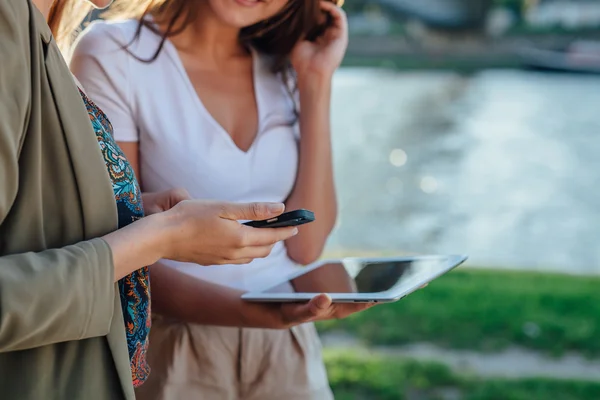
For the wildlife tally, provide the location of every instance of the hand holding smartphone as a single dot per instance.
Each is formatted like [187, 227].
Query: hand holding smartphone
[291, 218]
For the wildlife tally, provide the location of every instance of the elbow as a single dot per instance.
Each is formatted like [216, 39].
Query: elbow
[305, 258]
[308, 247]
[307, 253]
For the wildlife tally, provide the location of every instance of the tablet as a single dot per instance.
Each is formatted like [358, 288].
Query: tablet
[358, 280]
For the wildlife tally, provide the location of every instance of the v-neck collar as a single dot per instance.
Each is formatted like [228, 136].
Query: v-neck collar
[173, 54]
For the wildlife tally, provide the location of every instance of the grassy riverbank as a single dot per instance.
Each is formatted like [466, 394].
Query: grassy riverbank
[489, 310]
[355, 377]
[457, 53]
[428, 63]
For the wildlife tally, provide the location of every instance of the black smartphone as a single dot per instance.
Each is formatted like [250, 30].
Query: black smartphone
[292, 218]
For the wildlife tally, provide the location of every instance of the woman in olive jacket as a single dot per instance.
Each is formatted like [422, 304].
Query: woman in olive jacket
[62, 256]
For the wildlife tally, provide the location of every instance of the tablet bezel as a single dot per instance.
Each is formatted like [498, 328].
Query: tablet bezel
[391, 295]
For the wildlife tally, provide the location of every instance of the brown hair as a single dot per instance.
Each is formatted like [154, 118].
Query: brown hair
[64, 19]
[275, 36]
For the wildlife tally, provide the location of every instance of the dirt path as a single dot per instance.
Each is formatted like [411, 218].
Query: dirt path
[510, 363]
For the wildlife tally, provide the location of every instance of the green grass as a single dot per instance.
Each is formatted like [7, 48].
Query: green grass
[532, 389]
[489, 310]
[355, 377]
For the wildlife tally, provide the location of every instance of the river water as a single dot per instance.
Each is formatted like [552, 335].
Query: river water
[502, 165]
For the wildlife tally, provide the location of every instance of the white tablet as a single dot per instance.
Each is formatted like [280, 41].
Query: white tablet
[358, 280]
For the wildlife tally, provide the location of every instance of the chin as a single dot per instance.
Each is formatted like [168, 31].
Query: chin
[243, 13]
[100, 3]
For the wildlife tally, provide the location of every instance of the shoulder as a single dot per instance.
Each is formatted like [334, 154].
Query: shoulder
[17, 49]
[15, 76]
[14, 12]
[124, 36]
[105, 36]
[14, 23]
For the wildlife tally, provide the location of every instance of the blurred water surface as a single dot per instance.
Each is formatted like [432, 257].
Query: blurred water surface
[501, 165]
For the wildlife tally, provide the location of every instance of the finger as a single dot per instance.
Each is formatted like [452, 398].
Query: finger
[318, 307]
[301, 39]
[320, 304]
[253, 252]
[251, 211]
[239, 261]
[266, 236]
[344, 310]
[337, 14]
[233, 261]
[180, 194]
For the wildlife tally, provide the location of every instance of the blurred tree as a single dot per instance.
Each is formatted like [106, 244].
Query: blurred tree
[355, 6]
[516, 7]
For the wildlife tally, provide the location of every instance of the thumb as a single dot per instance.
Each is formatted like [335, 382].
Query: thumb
[175, 197]
[251, 211]
[180, 194]
[316, 308]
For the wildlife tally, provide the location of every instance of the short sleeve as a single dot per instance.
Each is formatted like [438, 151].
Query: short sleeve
[101, 62]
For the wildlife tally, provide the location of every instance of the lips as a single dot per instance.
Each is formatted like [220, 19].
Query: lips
[248, 3]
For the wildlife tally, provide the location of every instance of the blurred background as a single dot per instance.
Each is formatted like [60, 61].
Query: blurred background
[468, 126]
[450, 137]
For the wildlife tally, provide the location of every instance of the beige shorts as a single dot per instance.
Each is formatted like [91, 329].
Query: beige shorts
[215, 363]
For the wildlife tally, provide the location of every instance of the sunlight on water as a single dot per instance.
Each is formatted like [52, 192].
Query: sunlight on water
[398, 157]
[501, 165]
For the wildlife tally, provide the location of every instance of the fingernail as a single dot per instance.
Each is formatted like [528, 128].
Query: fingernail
[276, 208]
[323, 302]
[295, 232]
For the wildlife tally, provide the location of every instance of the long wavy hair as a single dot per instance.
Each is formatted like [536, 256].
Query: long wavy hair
[275, 36]
[65, 18]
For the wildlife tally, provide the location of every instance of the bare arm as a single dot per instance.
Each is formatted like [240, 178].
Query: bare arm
[330, 278]
[315, 63]
[195, 301]
[176, 295]
[132, 152]
[314, 188]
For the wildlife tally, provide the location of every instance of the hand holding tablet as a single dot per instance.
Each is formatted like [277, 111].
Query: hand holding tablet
[360, 280]
[319, 308]
[350, 280]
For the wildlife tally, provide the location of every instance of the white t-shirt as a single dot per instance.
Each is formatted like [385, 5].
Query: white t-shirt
[181, 144]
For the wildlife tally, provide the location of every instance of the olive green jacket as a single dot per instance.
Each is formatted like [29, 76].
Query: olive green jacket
[61, 327]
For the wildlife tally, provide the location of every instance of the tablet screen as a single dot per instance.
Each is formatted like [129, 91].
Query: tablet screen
[366, 276]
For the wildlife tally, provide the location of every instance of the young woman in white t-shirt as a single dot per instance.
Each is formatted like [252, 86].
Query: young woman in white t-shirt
[206, 95]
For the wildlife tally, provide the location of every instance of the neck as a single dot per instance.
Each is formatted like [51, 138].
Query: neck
[43, 6]
[209, 38]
